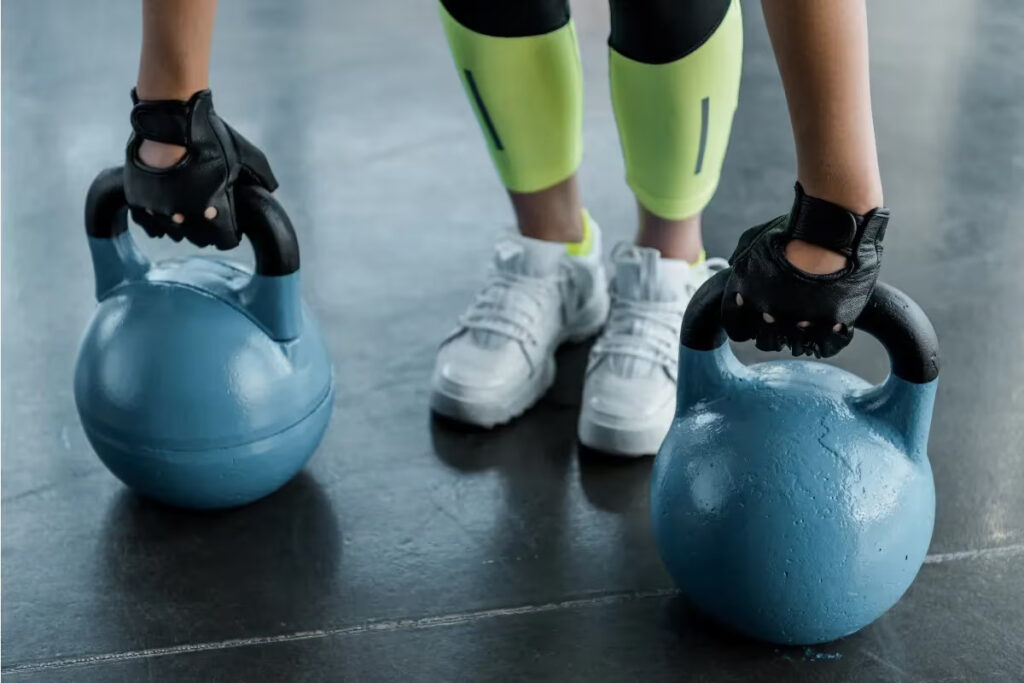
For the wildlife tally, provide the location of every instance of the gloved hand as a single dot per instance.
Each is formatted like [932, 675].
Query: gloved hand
[194, 198]
[770, 300]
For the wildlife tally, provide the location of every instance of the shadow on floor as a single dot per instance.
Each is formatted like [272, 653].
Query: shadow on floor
[546, 432]
[188, 560]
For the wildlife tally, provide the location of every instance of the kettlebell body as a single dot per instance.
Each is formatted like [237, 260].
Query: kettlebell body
[199, 383]
[792, 500]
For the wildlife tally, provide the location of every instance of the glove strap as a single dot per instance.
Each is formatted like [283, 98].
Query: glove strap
[829, 225]
[164, 121]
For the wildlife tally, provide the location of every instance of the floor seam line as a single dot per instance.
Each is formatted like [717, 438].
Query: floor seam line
[385, 626]
[418, 623]
[997, 551]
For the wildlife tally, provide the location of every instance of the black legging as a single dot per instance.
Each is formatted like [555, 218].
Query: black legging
[650, 31]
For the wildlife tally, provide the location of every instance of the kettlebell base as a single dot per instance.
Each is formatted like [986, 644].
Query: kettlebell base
[773, 637]
[216, 478]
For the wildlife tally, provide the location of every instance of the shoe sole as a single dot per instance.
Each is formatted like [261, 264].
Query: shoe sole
[628, 443]
[498, 412]
[632, 441]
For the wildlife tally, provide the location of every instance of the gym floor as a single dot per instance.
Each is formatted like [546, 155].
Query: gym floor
[411, 549]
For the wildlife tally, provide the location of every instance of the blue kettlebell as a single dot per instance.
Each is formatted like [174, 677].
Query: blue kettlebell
[198, 383]
[792, 500]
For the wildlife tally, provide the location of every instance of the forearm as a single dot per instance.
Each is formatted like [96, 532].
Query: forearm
[176, 40]
[821, 47]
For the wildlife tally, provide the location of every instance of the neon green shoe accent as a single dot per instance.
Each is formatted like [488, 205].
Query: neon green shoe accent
[528, 97]
[674, 120]
[585, 245]
[701, 258]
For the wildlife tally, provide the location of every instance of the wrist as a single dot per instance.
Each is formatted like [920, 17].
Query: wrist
[858, 194]
[169, 84]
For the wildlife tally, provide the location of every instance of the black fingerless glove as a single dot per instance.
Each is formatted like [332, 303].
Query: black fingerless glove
[773, 302]
[216, 160]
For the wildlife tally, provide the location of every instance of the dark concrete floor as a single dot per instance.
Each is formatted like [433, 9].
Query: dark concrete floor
[411, 549]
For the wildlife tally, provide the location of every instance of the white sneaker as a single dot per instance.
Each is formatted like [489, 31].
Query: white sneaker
[500, 359]
[629, 396]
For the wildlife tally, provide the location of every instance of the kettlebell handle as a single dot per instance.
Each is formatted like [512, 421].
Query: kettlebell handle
[262, 218]
[891, 317]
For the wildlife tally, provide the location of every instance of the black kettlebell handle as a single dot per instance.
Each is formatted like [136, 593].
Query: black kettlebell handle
[891, 317]
[262, 218]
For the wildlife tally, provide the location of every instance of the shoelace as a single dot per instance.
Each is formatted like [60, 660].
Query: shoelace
[660, 322]
[499, 307]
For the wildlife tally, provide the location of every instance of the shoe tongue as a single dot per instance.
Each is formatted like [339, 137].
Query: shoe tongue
[641, 274]
[527, 256]
[520, 256]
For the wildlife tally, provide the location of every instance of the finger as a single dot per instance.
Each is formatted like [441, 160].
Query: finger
[737, 319]
[143, 217]
[195, 230]
[801, 346]
[833, 343]
[176, 231]
[160, 225]
[806, 337]
[222, 228]
[769, 339]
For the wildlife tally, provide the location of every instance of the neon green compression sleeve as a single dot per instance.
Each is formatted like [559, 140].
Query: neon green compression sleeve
[674, 119]
[527, 93]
